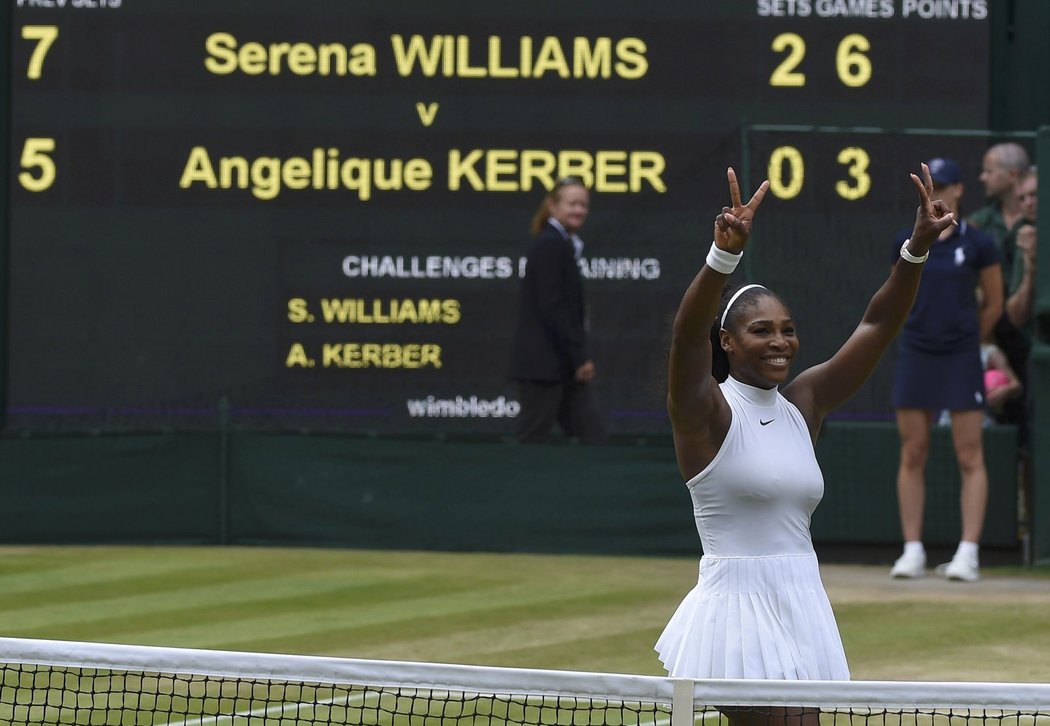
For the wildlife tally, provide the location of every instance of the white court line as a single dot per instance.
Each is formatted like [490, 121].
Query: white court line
[665, 720]
[356, 699]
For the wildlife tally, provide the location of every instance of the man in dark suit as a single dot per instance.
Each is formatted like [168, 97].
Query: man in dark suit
[551, 357]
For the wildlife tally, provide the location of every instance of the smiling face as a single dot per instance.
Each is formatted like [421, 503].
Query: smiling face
[760, 342]
[570, 206]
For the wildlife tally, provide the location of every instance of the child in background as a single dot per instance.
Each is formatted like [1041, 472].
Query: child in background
[1000, 381]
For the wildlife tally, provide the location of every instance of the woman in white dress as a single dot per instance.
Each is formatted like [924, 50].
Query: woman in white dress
[745, 449]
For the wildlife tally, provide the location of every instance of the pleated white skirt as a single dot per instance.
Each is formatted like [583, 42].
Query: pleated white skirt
[755, 617]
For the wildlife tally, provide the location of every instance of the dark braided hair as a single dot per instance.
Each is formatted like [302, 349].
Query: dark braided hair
[745, 303]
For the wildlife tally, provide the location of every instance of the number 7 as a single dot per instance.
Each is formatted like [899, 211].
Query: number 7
[44, 35]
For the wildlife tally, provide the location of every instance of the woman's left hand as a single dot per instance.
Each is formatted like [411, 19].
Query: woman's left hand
[932, 217]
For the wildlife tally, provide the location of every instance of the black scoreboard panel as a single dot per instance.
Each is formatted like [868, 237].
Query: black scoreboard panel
[317, 210]
[838, 200]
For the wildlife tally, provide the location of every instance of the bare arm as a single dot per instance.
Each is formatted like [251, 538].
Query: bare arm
[823, 387]
[991, 284]
[699, 413]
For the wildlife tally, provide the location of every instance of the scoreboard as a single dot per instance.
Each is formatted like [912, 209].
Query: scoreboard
[317, 210]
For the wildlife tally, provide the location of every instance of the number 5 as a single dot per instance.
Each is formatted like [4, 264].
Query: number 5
[35, 154]
[44, 35]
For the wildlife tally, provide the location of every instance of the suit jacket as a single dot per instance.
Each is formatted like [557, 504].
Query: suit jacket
[550, 340]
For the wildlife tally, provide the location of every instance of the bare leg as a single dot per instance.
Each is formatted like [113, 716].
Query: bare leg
[913, 424]
[967, 431]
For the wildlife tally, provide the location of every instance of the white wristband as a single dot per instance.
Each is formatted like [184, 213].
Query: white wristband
[721, 261]
[909, 257]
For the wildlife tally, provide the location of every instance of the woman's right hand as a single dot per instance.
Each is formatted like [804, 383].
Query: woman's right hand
[733, 225]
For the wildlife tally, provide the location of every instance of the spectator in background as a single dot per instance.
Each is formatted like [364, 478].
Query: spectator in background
[1021, 301]
[939, 367]
[1027, 194]
[1002, 218]
[1001, 170]
[1019, 309]
[1000, 381]
[551, 358]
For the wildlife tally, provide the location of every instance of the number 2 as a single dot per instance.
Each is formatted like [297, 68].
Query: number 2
[785, 73]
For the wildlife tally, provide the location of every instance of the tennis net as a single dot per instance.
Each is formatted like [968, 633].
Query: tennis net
[59, 682]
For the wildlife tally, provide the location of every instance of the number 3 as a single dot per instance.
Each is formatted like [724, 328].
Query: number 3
[858, 161]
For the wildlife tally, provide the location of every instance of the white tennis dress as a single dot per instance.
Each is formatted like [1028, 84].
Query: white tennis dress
[759, 609]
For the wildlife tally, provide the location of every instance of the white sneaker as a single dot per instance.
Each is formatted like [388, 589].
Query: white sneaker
[909, 565]
[960, 569]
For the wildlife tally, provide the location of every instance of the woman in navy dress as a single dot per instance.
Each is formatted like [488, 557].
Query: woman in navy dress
[939, 369]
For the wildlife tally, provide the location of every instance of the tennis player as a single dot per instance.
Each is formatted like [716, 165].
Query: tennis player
[745, 448]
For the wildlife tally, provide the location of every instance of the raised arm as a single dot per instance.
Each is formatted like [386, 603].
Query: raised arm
[990, 281]
[823, 387]
[699, 413]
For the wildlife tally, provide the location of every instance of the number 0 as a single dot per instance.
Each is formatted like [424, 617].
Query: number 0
[44, 35]
[35, 155]
[796, 172]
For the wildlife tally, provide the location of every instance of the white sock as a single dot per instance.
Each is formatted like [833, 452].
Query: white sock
[967, 549]
[914, 548]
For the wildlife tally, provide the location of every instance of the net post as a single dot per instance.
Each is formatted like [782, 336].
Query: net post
[682, 702]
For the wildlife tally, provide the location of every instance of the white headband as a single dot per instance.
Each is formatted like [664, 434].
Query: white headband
[732, 300]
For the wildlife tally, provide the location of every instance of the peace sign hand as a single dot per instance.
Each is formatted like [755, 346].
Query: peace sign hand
[931, 218]
[733, 225]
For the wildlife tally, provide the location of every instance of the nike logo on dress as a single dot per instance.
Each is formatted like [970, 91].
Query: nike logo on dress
[766, 423]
